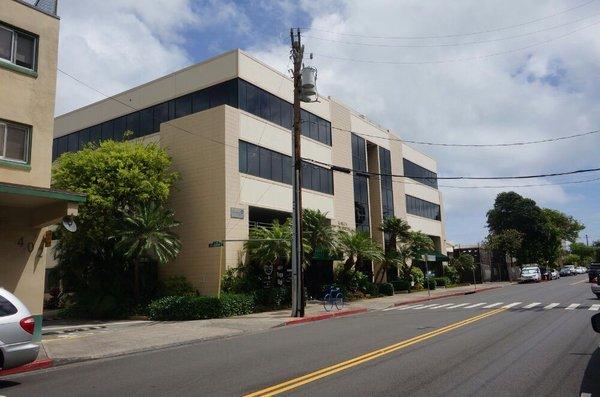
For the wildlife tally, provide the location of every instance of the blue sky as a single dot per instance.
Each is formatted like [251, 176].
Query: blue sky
[524, 80]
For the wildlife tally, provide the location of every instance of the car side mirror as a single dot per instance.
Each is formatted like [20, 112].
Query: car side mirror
[596, 322]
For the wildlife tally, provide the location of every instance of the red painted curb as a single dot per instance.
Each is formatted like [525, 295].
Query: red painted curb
[35, 365]
[325, 316]
[445, 296]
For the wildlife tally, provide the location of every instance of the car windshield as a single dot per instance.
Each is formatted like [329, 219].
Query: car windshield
[529, 271]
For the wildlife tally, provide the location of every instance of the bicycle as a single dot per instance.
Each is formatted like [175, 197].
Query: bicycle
[333, 297]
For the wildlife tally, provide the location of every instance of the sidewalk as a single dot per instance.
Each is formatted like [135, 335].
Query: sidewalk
[68, 343]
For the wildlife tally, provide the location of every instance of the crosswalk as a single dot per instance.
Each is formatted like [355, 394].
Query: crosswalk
[497, 305]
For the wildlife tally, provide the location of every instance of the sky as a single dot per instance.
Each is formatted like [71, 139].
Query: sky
[468, 71]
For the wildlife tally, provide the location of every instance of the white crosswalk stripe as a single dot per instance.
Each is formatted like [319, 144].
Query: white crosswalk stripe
[475, 305]
[532, 305]
[493, 305]
[426, 306]
[440, 306]
[572, 306]
[400, 307]
[551, 306]
[511, 305]
[455, 306]
[594, 307]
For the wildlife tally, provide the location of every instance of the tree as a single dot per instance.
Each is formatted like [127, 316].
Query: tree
[115, 176]
[317, 232]
[270, 245]
[568, 227]
[508, 241]
[358, 246]
[464, 263]
[584, 252]
[398, 233]
[146, 235]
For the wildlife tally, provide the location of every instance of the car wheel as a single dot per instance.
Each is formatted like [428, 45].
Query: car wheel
[598, 296]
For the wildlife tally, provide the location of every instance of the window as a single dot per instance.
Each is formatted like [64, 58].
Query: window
[107, 130]
[200, 101]
[18, 47]
[95, 134]
[268, 164]
[84, 138]
[423, 208]
[146, 121]
[6, 308]
[133, 123]
[265, 106]
[183, 106]
[420, 174]
[275, 110]
[73, 142]
[387, 195]
[160, 114]
[361, 184]
[119, 128]
[14, 142]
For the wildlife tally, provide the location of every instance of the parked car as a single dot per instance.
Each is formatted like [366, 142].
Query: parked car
[596, 289]
[16, 332]
[593, 271]
[531, 273]
[565, 272]
[554, 274]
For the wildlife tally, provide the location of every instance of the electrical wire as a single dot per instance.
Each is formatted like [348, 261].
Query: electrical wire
[456, 34]
[451, 60]
[451, 44]
[504, 144]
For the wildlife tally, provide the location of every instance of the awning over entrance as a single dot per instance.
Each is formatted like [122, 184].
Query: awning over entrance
[40, 206]
[439, 257]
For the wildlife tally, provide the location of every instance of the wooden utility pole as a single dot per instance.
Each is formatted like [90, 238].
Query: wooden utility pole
[298, 298]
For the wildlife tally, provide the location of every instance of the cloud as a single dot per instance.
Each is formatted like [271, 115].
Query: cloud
[544, 91]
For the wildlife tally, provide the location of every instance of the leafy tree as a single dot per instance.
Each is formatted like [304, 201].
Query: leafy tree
[146, 235]
[508, 241]
[358, 246]
[317, 232]
[572, 259]
[270, 245]
[568, 228]
[115, 176]
[584, 252]
[398, 233]
[464, 263]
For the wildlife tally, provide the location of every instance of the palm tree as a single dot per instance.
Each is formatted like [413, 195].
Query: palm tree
[317, 232]
[398, 232]
[357, 246]
[145, 234]
[270, 245]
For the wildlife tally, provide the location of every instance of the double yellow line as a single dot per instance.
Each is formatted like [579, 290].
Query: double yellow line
[327, 371]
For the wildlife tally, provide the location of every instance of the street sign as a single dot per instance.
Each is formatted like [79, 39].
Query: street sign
[215, 244]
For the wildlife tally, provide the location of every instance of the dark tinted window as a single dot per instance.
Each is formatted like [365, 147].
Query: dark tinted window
[84, 138]
[146, 121]
[119, 128]
[243, 157]
[95, 133]
[361, 184]
[265, 106]
[25, 53]
[6, 308]
[276, 110]
[200, 101]
[73, 142]
[253, 163]
[183, 106]
[133, 124]
[287, 115]
[265, 163]
[304, 123]
[252, 100]
[385, 166]
[287, 169]
[420, 174]
[276, 167]
[160, 115]
[107, 130]
[54, 149]
[425, 209]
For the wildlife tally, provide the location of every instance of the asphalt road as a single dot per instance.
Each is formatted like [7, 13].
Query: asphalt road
[541, 346]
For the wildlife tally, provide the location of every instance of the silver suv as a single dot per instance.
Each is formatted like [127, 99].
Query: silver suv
[16, 332]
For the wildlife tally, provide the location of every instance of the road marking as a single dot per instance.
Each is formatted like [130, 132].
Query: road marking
[475, 305]
[400, 307]
[511, 305]
[459, 305]
[572, 306]
[594, 307]
[493, 305]
[327, 371]
[426, 306]
[579, 282]
[440, 306]
[551, 306]
[531, 305]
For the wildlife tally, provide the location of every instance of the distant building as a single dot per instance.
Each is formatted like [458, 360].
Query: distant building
[226, 123]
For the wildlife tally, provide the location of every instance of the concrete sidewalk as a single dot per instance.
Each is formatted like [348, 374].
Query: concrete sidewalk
[66, 343]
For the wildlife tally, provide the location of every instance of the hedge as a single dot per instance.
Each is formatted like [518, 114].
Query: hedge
[431, 282]
[386, 289]
[401, 285]
[179, 308]
[442, 281]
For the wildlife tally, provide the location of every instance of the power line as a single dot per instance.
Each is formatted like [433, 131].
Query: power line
[452, 44]
[442, 61]
[457, 34]
[504, 144]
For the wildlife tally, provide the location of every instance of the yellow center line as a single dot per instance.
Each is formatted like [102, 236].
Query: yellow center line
[327, 371]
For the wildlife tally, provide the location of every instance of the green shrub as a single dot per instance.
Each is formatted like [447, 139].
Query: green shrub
[351, 281]
[371, 289]
[430, 281]
[179, 308]
[442, 281]
[401, 285]
[275, 297]
[386, 289]
[177, 286]
[417, 275]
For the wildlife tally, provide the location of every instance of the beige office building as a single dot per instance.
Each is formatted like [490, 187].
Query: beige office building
[28, 207]
[226, 123]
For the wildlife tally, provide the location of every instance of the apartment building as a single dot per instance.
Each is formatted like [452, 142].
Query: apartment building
[226, 123]
[29, 208]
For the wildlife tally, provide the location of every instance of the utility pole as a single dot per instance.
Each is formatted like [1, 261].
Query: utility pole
[298, 297]
[586, 240]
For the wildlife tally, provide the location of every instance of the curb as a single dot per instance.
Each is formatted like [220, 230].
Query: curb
[325, 316]
[33, 366]
[429, 298]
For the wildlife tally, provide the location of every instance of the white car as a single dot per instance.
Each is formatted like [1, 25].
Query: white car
[530, 273]
[16, 332]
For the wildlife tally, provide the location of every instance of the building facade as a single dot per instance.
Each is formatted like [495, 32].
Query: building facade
[226, 123]
[29, 208]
